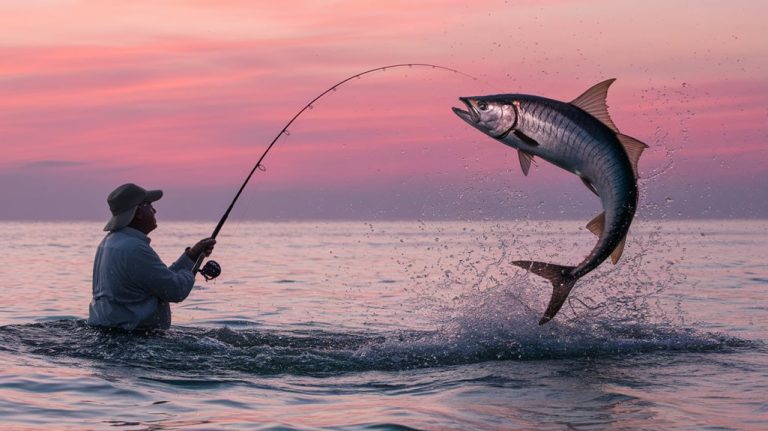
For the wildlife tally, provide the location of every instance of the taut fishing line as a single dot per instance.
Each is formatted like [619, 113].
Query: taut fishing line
[212, 269]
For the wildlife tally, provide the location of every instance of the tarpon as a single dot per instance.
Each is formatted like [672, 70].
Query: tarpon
[579, 137]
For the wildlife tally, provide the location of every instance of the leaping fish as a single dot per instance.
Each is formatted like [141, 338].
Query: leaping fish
[579, 137]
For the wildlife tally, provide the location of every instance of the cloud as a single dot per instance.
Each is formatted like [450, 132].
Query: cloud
[53, 164]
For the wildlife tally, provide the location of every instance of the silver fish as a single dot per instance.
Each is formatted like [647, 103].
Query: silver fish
[579, 137]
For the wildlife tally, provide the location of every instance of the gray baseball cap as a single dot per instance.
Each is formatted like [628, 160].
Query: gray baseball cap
[123, 202]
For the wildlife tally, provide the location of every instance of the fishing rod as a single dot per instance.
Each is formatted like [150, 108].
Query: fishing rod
[212, 269]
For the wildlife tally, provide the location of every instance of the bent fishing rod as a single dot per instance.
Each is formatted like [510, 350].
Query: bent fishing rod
[212, 269]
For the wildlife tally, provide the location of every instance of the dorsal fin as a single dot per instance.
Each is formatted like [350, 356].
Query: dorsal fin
[634, 149]
[593, 102]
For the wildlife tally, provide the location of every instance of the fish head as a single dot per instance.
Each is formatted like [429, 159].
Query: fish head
[490, 114]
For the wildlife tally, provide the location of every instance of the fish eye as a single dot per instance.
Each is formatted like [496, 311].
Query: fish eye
[482, 105]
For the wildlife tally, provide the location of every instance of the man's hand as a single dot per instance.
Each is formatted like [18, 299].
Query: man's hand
[202, 246]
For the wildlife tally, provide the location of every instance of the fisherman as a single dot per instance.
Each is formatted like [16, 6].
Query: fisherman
[132, 287]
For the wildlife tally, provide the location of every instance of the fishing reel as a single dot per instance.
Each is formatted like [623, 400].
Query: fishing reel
[210, 270]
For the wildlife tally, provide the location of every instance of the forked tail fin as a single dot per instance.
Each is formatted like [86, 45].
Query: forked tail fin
[562, 283]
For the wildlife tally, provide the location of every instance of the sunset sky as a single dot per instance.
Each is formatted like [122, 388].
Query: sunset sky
[185, 96]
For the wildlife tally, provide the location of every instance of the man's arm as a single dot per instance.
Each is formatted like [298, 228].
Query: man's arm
[149, 273]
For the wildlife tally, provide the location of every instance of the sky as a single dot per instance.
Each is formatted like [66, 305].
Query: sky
[186, 95]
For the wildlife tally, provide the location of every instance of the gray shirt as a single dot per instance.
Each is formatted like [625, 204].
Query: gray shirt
[132, 287]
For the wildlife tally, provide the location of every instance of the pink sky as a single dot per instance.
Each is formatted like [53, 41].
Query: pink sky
[185, 95]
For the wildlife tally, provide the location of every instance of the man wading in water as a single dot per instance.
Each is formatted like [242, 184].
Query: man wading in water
[132, 287]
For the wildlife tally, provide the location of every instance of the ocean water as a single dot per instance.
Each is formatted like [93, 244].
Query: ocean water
[396, 325]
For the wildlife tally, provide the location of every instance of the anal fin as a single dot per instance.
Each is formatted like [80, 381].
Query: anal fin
[616, 254]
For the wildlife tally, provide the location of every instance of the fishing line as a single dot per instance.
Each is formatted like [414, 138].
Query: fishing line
[212, 269]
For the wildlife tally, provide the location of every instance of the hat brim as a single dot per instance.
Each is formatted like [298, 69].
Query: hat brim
[153, 195]
[121, 220]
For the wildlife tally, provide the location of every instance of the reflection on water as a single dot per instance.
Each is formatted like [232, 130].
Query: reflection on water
[378, 326]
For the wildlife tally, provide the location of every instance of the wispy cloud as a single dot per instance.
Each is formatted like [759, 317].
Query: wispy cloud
[45, 164]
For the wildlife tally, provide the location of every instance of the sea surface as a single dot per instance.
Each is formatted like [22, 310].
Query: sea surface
[396, 325]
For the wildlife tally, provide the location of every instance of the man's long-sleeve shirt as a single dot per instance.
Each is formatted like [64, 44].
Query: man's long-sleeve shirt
[132, 287]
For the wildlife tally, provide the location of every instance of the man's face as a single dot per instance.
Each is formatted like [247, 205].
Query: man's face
[145, 214]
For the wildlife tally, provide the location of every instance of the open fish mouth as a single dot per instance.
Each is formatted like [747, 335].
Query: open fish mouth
[470, 115]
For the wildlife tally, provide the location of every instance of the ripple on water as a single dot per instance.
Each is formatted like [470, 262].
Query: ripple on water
[225, 352]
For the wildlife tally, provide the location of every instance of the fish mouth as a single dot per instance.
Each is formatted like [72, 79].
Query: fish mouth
[470, 115]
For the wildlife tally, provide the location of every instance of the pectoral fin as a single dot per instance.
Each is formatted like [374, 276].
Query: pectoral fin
[597, 224]
[618, 250]
[525, 160]
[525, 138]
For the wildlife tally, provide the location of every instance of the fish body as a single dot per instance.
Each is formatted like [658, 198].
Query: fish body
[581, 138]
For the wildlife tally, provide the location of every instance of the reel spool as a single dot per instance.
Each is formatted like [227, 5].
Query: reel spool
[210, 270]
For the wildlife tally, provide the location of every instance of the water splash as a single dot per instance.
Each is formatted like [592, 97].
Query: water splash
[185, 351]
[469, 290]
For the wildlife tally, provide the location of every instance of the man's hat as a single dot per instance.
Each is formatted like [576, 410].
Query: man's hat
[123, 202]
